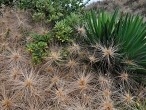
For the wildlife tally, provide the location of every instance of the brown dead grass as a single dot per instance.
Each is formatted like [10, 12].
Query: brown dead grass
[130, 6]
[19, 23]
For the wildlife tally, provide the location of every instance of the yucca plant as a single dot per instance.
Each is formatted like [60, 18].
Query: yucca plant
[119, 39]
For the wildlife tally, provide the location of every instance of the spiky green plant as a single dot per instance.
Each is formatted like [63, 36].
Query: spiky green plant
[120, 39]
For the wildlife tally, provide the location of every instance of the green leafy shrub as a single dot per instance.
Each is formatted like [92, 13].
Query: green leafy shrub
[63, 14]
[120, 40]
[6, 2]
[38, 47]
[51, 10]
[62, 32]
[73, 19]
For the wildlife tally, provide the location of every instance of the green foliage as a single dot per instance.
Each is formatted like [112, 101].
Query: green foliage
[37, 16]
[62, 31]
[73, 19]
[51, 10]
[63, 12]
[141, 105]
[64, 53]
[38, 47]
[123, 35]
[43, 38]
[6, 2]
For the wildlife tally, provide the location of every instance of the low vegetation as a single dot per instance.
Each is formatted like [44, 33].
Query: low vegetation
[55, 55]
